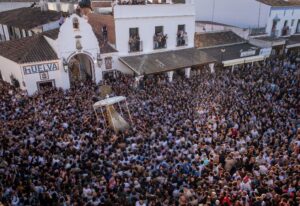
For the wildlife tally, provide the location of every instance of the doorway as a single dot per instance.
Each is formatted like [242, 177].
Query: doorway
[80, 69]
[46, 84]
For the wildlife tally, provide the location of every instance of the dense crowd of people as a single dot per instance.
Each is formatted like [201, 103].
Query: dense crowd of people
[227, 138]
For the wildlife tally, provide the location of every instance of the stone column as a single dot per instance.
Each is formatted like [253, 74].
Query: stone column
[212, 67]
[187, 72]
[170, 76]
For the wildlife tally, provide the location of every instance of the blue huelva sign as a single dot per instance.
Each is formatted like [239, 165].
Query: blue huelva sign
[39, 68]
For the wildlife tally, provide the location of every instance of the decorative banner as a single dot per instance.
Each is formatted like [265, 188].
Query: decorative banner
[39, 68]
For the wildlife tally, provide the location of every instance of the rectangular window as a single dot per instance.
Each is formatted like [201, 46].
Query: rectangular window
[181, 27]
[159, 39]
[181, 35]
[159, 29]
[135, 43]
[133, 32]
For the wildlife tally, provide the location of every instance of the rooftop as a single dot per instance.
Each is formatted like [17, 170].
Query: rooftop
[27, 50]
[28, 18]
[294, 39]
[166, 61]
[279, 3]
[211, 39]
[105, 47]
[231, 51]
[214, 23]
[270, 38]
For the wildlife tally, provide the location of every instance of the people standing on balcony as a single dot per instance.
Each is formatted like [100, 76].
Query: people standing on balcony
[180, 38]
[160, 40]
[134, 43]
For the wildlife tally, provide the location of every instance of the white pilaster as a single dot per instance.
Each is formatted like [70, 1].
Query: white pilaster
[170, 75]
[187, 72]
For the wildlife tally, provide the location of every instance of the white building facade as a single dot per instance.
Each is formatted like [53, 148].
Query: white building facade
[152, 23]
[71, 56]
[274, 18]
[76, 52]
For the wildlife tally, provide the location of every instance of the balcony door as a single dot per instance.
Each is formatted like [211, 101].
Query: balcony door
[135, 44]
[159, 39]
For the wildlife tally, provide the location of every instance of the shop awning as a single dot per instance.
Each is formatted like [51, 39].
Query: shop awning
[166, 61]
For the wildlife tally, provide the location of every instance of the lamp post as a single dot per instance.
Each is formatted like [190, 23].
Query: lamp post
[65, 65]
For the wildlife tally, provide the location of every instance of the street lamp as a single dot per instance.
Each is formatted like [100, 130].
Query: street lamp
[65, 65]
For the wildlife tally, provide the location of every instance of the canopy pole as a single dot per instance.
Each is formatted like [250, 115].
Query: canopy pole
[128, 112]
[103, 117]
[120, 108]
[112, 122]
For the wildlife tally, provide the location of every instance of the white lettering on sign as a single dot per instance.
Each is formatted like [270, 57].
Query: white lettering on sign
[38, 68]
[265, 51]
[248, 53]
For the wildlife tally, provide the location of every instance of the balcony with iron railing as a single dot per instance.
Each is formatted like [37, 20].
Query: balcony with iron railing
[286, 31]
[160, 41]
[135, 46]
[182, 40]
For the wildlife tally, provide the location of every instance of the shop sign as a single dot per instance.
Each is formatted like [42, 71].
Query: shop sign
[39, 68]
[248, 53]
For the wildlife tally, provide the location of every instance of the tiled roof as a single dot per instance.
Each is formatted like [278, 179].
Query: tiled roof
[211, 39]
[28, 18]
[294, 39]
[166, 61]
[97, 21]
[279, 3]
[28, 49]
[231, 52]
[105, 47]
[52, 34]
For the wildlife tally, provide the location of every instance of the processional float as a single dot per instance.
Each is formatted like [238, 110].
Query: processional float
[112, 118]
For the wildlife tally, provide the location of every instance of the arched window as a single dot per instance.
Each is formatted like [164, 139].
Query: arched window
[75, 23]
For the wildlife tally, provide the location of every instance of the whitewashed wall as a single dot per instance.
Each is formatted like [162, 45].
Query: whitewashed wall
[7, 68]
[241, 13]
[146, 17]
[288, 13]
[66, 42]
[60, 76]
